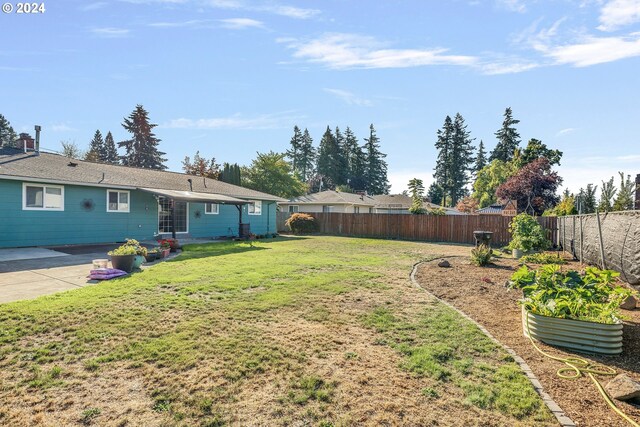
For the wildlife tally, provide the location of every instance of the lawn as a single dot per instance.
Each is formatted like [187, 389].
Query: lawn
[319, 331]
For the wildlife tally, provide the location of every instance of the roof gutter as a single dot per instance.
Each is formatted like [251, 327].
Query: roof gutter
[58, 181]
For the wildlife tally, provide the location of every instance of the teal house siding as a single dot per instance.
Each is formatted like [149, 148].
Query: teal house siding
[85, 218]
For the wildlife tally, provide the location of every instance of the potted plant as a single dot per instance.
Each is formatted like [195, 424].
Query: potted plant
[141, 252]
[152, 255]
[122, 258]
[573, 310]
[165, 248]
[526, 235]
[174, 245]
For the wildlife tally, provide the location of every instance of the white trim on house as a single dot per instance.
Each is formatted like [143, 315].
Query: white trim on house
[257, 207]
[169, 232]
[44, 197]
[211, 205]
[293, 208]
[118, 192]
[61, 182]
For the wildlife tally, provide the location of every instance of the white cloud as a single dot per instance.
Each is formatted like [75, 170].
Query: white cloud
[93, 6]
[508, 67]
[110, 32]
[400, 178]
[594, 170]
[241, 23]
[595, 50]
[619, 13]
[565, 131]
[237, 121]
[513, 5]
[276, 9]
[349, 97]
[347, 51]
[190, 23]
[292, 12]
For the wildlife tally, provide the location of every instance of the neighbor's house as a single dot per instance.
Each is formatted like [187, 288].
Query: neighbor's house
[49, 199]
[507, 209]
[335, 201]
[330, 201]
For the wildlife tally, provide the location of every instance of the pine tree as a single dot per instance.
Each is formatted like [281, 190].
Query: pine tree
[294, 152]
[110, 151]
[328, 158]
[442, 173]
[434, 193]
[341, 167]
[142, 149]
[624, 201]
[508, 138]
[461, 161]
[481, 158]
[230, 174]
[8, 136]
[355, 161]
[306, 156]
[96, 151]
[375, 166]
[586, 199]
[416, 188]
[607, 193]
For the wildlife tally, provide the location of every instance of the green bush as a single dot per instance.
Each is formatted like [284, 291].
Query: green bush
[527, 234]
[542, 258]
[301, 223]
[590, 296]
[124, 250]
[140, 250]
[481, 255]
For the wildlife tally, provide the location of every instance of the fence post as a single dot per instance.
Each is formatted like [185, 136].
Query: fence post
[604, 265]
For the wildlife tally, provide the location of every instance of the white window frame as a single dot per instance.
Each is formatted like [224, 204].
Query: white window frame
[119, 210]
[207, 205]
[254, 204]
[327, 209]
[356, 209]
[44, 197]
[292, 210]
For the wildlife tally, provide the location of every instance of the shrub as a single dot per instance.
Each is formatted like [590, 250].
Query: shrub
[481, 255]
[301, 223]
[590, 296]
[123, 250]
[527, 234]
[437, 211]
[542, 258]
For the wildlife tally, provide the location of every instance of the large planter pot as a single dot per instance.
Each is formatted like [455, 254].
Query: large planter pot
[517, 253]
[137, 261]
[588, 337]
[152, 256]
[123, 262]
[165, 253]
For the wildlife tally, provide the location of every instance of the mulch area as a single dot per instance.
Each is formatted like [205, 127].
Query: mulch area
[481, 293]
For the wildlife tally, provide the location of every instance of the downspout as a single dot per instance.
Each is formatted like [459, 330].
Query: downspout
[173, 218]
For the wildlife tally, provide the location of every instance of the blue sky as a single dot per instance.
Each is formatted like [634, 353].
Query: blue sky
[232, 77]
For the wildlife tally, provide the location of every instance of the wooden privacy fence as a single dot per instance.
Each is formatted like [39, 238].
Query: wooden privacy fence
[435, 228]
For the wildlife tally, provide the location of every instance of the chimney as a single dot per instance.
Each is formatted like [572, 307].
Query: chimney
[25, 142]
[37, 147]
[638, 191]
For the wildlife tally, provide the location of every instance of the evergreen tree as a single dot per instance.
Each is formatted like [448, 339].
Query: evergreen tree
[8, 136]
[201, 167]
[607, 194]
[508, 138]
[461, 161]
[375, 166]
[355, 161]
[481, 158]
[142, 149]
[435, 194]
[586, 199]
[624, 201]
[534, 150]
[328, 159]
[294, 152]
[444, 144]
[306, 157]
[110, 151]
[341, 167]
[96, 148]
[230, 174]
[416, 188]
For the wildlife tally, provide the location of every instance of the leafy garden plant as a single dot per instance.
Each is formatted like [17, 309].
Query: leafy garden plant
[481, 255]
[124, 250]
[542, 258]
[527, 234]
[140, 250]
[590, 296]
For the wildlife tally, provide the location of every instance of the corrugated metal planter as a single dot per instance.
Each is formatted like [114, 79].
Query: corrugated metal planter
[588, 337]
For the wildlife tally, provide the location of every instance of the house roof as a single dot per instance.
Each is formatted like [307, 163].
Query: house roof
[331, 197]
[493, 209]
[15, 164]
[393, 201]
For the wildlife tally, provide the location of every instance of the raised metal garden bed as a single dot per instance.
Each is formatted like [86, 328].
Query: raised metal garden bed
[588, 337]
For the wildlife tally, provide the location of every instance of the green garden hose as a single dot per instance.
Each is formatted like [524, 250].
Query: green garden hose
[579, 367]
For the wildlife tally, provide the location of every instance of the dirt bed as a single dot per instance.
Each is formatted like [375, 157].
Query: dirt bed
[481, 293]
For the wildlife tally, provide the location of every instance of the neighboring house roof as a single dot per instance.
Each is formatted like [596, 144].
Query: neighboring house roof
[493, 209]
[331, 197]
[393, 201]
[15, 164]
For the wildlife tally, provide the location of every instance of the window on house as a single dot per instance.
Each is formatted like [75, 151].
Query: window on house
[356, 209]
[370, 210]
[212, 208]
[117, 201]
[327, 209]
[294, 208]
[42, 197]
[255, 207]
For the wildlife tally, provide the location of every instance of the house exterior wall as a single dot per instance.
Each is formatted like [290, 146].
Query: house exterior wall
[78, 225]
[317, 208]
